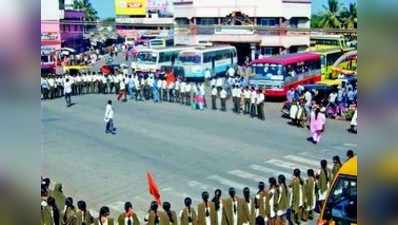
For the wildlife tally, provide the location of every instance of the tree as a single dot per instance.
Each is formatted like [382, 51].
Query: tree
[330, 17]
[85, 5]
[349, 16]
[316, 21]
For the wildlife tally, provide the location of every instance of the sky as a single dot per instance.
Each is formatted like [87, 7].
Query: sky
[105, 8]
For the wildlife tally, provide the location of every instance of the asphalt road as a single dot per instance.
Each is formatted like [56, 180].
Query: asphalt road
[188, 151]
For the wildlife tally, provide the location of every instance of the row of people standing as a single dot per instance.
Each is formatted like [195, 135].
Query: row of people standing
[244, 100]
[276, 203]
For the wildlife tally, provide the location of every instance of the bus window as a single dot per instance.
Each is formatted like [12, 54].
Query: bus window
[342, 202]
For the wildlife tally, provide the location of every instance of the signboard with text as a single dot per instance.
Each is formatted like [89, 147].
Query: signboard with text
[131, 7]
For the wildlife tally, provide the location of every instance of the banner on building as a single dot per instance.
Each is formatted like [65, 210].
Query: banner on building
[131, 7]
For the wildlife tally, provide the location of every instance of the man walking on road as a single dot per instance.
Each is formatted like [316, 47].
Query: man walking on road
[68, 92]
[109, 118]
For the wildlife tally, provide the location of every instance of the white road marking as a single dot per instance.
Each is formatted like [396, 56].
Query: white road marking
[226, 182]
[272, 172]
[194, 183]
[350, 145]
[246, 175]
[287, 165]
[295, 158]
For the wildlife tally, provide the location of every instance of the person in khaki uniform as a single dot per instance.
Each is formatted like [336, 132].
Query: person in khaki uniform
[103, 218]
[69, 217]
[83, 215]
[310, 198]
[152, 217]
[188, 214]
[59, 196]
[230, 209]
[283, 200]
[324, 181]
[297, 196]
[206, 211]
[168, 216]
[247, 212]
[272, 198]
[218, 204]
[128, 217]
[260, 201]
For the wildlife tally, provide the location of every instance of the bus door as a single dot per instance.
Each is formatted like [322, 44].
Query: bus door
[213, 66]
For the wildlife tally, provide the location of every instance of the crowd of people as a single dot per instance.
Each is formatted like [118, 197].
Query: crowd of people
[161, 87]
[303, 103]
[276, 203]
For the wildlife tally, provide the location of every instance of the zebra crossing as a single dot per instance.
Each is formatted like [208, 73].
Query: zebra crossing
[239, 178]
[270, 167]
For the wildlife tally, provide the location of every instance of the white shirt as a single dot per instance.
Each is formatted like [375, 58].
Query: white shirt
[260, 98]
[332, 97]
[182, 87]
[246, 93]
[108, 112]
[214, 91]
[219, 82]
[253, 97]
[213, 82]
[308, 98]
[67, 87]
[164, 84]
[223, 94]
[231, 72]
[51, 82]
[188, 88]
[207, 74]
[122, 85]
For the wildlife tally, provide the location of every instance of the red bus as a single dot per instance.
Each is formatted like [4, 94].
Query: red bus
[277, 74]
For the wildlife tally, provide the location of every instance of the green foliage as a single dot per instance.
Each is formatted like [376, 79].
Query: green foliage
[85, 5]
[334, 16]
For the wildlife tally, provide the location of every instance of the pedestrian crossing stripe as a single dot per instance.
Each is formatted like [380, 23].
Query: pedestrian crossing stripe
[286, 164]
[313, 163]
[227, 182]
[246, 175]
[270, 171]
[194, 183]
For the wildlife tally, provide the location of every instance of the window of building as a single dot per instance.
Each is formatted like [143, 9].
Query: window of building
[182, 21]
[268, 22]
[206, 21]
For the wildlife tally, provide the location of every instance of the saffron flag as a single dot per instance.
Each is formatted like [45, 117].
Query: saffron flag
[153, 187]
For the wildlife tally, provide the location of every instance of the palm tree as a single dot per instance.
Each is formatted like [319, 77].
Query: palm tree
[90, 12]
[349, 16]
[330, 18]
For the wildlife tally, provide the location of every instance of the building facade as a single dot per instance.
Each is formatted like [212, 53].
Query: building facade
[50, 33]
[137, 18]
[72, 30]
[255, 27]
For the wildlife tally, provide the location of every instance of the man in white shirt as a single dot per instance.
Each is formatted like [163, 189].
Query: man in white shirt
[253, 99]
[223, 97]
[260, 104]
[246, 96]
[219, 83]
[214, 93]
[188, 88]
[231, 72]
[68, 92]
[308, 103]
[51, 85]
[182, 92]
[109, 118]
[177, 88]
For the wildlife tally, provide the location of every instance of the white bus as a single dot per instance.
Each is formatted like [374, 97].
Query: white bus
[150, 60]
[194, 62]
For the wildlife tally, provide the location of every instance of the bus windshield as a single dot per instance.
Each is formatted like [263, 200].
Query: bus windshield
[190, 59]
[268, 71]
[342, 203]
[147, 57]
